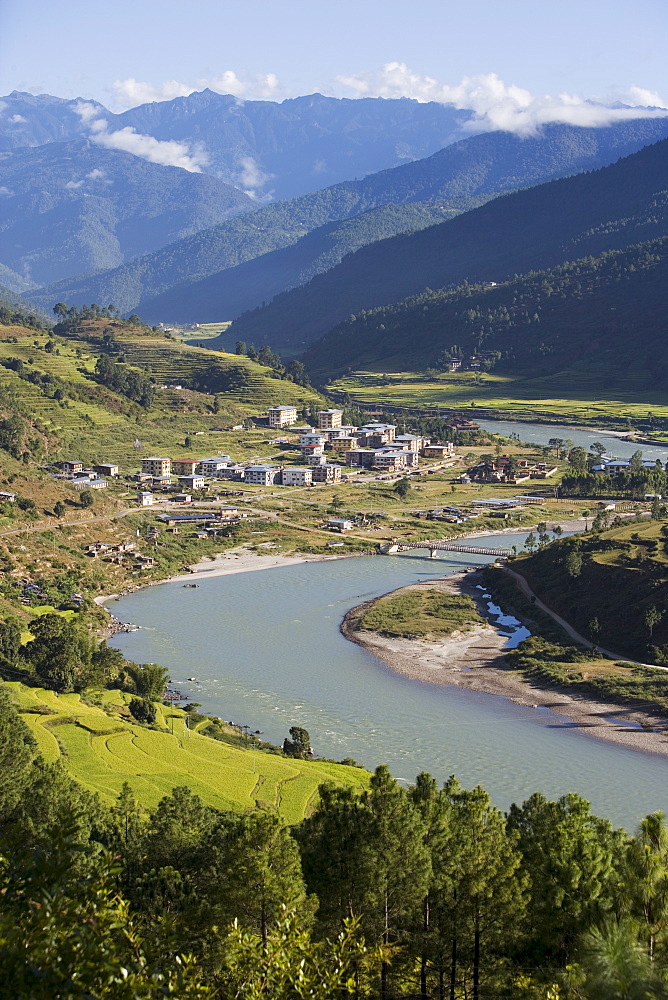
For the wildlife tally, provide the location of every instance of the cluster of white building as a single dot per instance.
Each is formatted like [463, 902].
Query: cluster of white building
[82, 478]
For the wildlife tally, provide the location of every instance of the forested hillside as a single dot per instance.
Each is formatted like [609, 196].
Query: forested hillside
[455, 179]
[605, 312]
[73, 207]
[236, 289]
[537, 228]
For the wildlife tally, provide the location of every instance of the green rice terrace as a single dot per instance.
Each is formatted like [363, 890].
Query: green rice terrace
[102, 747]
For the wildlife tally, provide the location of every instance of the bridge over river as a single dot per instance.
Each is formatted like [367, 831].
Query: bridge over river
[445, 544]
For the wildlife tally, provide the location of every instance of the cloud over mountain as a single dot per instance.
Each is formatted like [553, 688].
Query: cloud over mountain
[166, 152]
[497, 105]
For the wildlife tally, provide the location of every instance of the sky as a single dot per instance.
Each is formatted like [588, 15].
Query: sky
[499, 53]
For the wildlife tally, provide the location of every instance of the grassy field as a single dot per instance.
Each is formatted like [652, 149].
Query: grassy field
[417, 613]
[572, 395]
[102, 748]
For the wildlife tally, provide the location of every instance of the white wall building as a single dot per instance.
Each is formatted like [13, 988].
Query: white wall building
[262, 475]
[212, 466]
[282, 416]
[296, 476]
[330, 418]
[156, 466]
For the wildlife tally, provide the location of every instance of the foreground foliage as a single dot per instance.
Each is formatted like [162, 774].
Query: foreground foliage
[391, 893]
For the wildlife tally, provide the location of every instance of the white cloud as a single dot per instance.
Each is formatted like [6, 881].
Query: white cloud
[130, 93]
[495, 104]
[168, 153]
[638, 97]
[17, 119]
[97, 175]
[5, 191]
[73, 185]
[252, 178]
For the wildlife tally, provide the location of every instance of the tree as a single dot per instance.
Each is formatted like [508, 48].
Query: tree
[10, 640]
[60, 310]
[142, 710]
[403, 488]
[300, 744]
[530, 542]
[59, 653]
[290, 965]
[148, 680]
[254, 872]
[574, 564]
[571, 857]
[59, 508]
[646, 882]
[652, 617]
[240, 347]
[86, 498]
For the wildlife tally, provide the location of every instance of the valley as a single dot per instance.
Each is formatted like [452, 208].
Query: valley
[333, 473]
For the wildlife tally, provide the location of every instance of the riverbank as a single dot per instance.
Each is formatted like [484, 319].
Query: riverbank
[475, 660]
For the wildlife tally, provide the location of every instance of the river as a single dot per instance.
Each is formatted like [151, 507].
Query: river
[266, 650]
[615, 447]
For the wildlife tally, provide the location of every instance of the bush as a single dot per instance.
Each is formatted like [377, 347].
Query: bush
[142, 710]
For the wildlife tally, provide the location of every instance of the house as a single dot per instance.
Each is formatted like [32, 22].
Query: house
[162, 482]
[330, 418]
[438, 450]
[213, 466]
[72, 468]
[411, 442]
[184, 466]
[312, 437]
[156, 466]
[296, 476]
[262, 475]
[343, 443]
[124, 547]
[327, 473]
[339, 524]
[236, 472]
[145, 499]
[7, 497]
[183, 498]
[362, 457]
[193, 483]
[106, 469]
[282, 416]
[312, 449]
[375, 435]
[231, 513]
[315, 459]
[84, 483]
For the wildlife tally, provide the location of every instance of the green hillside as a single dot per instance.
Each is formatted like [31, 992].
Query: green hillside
[102, 748]
[607, 314]
[50, 380]
[604, 583]
[232, 291]
[534, 229]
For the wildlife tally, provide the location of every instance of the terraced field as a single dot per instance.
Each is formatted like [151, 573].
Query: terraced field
[103, 748]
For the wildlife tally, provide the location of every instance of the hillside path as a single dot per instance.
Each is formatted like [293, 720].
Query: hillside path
[528, 592]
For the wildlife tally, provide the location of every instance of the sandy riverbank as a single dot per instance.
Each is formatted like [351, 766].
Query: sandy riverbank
[238, 560]
[474, 659]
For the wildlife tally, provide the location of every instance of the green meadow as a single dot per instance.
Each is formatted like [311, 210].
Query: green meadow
[573, 395]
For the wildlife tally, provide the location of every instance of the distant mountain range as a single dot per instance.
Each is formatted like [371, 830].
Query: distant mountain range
[276, 150]
[69, 207]
[217, 273]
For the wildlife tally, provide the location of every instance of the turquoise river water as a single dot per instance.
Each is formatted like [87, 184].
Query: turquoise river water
[266, 650]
